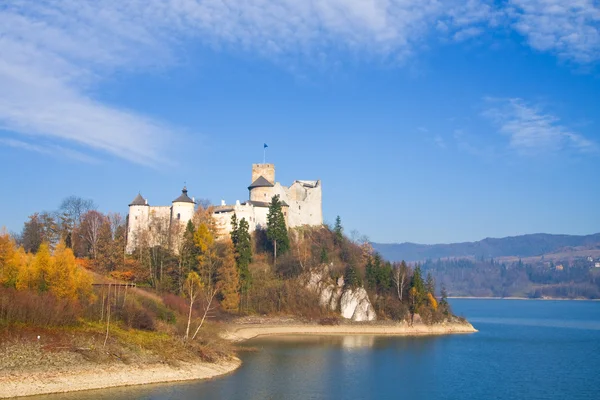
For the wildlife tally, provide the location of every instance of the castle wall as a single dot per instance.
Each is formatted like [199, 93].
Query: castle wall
[305, 203]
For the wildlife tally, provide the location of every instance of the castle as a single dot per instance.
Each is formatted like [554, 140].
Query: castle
[301, 205]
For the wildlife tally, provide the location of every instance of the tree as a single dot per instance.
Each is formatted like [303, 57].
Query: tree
[229, 280]
[399, 278]
[417, 290]
[370, 275]
[277, 233]
[187, 254]
[444, 305]
[71, 210]
[243, 255]
[90, 227]
[62, 277]
[10, 261]
[430, 284]
[192, 287]
[338, 231]
[33, 233]
[205, 245]
[234, 230]
[351, 277]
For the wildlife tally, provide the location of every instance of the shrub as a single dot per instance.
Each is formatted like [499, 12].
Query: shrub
[38, 309]
[136, 317]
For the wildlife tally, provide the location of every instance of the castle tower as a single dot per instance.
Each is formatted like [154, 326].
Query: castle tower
[267, 171]
[263, 181]
[183, 207]
[139, 211]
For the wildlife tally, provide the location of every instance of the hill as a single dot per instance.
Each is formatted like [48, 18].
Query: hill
[517, 246]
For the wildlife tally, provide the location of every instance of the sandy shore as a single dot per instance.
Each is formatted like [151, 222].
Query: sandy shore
[249, 331]
[100, 377]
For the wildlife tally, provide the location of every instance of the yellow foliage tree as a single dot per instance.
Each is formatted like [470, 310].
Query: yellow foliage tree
[204, 241]
[432, 301]
[8, 269]
[229, 279]
[62, 277]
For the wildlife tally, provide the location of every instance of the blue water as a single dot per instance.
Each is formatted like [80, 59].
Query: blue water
[523, 350]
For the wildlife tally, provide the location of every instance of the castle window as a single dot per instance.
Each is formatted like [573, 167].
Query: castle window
[178, 216]
[299, 207]
[136, 217]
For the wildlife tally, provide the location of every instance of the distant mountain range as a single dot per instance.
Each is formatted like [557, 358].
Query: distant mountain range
[520, 246]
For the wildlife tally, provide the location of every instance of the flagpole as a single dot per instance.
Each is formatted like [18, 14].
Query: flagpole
[264, 155]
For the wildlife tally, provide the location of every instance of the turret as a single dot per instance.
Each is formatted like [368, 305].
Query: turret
[183, 207]
[263, 181]
[138, 220]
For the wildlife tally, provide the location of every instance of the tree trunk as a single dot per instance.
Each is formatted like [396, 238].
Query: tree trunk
[187, 330]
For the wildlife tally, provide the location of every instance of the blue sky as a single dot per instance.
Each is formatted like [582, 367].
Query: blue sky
[427, 121]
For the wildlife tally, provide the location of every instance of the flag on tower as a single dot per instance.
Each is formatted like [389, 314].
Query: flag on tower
[265, 146]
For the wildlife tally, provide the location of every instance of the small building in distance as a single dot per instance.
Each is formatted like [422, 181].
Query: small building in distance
[301, 202]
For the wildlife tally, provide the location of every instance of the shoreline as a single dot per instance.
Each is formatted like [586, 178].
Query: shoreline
[18, 384]
[103, 376]
[237, 333]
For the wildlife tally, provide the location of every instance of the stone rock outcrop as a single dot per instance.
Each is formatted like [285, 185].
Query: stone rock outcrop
[355, 305]
[352, 303]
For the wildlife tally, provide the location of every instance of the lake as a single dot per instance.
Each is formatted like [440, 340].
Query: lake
[524, 350]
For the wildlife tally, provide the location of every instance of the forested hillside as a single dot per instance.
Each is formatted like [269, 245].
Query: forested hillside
[518, 246]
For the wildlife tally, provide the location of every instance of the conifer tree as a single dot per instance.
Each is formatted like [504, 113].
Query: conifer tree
[243, 254]
[430, 284]
[370, 276]
[338, 231]
[234, 230]
[351, 277]
[277, 233]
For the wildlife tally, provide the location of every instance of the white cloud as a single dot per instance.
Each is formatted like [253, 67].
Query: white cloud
[531, 131]
[568, 28]
[55, 53]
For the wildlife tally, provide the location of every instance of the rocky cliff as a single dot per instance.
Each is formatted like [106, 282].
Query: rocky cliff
[352, 303]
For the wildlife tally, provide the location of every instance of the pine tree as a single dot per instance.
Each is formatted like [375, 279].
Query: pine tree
[234, 230]
[430, 284]
[338, 231]
[417, 290]
[277, 233]
[351, 277]
[370, 274]
[243, 254]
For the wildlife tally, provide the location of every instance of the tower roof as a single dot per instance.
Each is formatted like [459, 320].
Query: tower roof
[260, 182]
[184, 197]
[139, 201]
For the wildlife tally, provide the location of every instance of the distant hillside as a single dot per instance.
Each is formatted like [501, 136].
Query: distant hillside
[520, 246]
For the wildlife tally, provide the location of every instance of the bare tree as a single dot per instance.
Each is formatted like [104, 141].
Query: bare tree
[399, 275]
[75, 207]
[91, 222]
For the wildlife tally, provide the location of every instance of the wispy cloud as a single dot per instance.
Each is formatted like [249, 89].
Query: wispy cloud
[439, 141]
[531, 131]
[569, 29]
[56, 53]
[50, 150]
